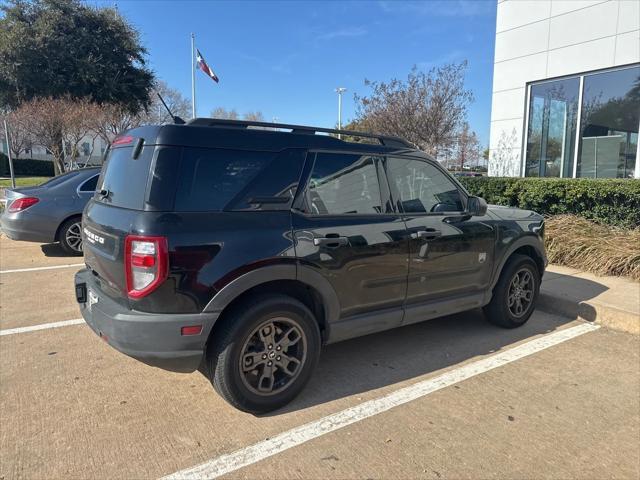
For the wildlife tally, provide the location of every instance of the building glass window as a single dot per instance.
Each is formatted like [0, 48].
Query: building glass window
[609, 110]
[551, 133]
[609, 125]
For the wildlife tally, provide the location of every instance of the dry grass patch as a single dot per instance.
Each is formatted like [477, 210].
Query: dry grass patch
[604, 250]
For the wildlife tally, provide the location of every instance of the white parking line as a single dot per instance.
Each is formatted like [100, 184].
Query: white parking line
[35, 269]
[42, 326]
[297, 436]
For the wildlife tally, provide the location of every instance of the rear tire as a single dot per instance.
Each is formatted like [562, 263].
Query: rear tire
[515, 294]
[71, 236]
[263, 353]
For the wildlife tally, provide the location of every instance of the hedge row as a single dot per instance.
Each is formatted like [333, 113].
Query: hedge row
[607, 201]
[25, 166]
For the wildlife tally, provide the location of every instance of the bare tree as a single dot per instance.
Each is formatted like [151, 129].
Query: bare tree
[20, 138]
[112, 120]
[45, 120]
[503, 159]
[224, 114]
[60, 125]
[156, 112]
[78, 125]
[256, 116]
[467, 146]
[426, 109]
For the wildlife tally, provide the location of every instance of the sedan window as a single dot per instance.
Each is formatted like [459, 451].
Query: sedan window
[90, 185]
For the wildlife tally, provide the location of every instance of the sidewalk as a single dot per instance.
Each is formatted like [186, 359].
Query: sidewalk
[610, 301]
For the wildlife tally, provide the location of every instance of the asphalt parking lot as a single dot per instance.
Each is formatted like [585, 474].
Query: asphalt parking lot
[450, 398]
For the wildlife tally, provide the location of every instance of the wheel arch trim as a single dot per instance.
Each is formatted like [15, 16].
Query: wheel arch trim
[263, 275]
[527, 241]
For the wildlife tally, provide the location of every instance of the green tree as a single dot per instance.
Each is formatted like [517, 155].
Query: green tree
[59, 48]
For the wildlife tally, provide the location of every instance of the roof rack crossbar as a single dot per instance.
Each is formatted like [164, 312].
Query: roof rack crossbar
[386, 140]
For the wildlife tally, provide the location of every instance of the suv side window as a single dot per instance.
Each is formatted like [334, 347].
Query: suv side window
[210, 178]
[423, 188]
[343, 184]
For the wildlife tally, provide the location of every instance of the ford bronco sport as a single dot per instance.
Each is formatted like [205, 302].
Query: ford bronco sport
[240, 248]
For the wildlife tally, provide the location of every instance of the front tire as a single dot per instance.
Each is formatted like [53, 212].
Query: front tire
[71, 236]
[515, 294]
[263, 353]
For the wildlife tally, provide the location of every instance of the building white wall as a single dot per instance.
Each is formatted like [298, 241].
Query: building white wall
[540, 39]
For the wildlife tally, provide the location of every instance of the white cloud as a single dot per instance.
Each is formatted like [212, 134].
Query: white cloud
[440, 8]
[343, 33]
[449, 57]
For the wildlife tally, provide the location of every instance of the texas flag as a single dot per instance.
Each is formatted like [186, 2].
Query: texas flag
[202, 65]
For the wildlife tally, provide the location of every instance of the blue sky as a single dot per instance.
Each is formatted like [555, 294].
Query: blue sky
[285, 58]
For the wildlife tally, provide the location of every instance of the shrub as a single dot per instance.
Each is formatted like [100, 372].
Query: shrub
[608, 201]
[604, 250]
[25, 166]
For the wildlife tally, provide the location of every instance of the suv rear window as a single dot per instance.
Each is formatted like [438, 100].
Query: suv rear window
[125, 178]
[211, 178]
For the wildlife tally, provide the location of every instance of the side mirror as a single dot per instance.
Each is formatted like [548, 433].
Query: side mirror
[476, 206]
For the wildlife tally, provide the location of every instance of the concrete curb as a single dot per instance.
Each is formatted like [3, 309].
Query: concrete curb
[605, 315]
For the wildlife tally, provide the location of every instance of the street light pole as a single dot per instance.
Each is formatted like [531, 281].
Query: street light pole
[340, 91]
[11, 172]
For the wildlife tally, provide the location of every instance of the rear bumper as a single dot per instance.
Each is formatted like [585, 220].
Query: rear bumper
[17, 228]
[154, 339]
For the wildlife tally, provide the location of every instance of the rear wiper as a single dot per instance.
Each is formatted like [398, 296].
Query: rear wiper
[104, 193]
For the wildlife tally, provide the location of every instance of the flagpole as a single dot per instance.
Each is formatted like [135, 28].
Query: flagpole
[193, 76]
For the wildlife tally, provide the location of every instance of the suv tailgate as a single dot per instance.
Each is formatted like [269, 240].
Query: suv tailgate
[109, 215]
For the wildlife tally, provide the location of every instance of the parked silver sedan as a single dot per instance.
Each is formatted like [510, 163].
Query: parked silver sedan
[51, 212]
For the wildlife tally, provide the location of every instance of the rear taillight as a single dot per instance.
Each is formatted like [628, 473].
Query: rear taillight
[20, 204]
[146, 263]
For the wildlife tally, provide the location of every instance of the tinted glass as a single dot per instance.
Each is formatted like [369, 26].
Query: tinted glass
[423, 188]
[278, 183]
[90, 185]
[210, 178]
[59, 179]
[553, 110]
[343, 184]
[125, 178]
[610, 119]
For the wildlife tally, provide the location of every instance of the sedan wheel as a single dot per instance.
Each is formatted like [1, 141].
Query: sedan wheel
[71, 237]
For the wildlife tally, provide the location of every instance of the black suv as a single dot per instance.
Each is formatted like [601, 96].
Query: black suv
[240, 248]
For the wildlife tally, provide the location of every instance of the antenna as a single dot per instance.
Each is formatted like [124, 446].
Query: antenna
[176, 120]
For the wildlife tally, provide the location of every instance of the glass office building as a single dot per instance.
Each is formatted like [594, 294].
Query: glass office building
[566, 93]
[584, 126]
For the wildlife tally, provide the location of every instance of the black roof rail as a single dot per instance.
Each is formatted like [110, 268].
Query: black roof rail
[386, 140]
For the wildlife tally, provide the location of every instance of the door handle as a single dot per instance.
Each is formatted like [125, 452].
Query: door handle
[426, 234]
[331, 242]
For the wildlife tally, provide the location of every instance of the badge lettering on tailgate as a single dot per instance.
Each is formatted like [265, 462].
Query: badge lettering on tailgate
[93, 237]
